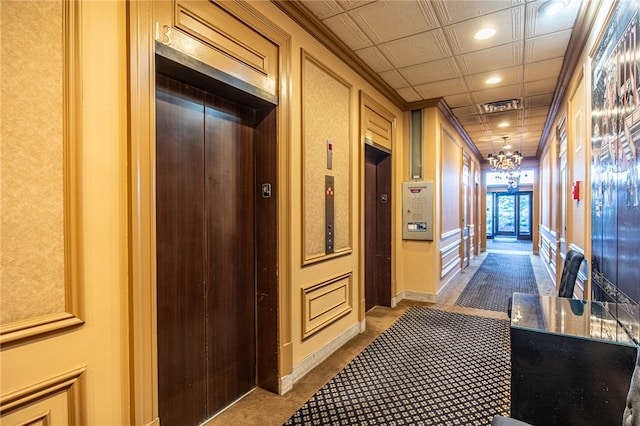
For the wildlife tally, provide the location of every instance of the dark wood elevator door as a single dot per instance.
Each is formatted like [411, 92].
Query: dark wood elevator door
[377, 217]
[205, 252]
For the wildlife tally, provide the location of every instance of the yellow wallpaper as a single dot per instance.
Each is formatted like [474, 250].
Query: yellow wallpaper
[31, 160]
[326, 116]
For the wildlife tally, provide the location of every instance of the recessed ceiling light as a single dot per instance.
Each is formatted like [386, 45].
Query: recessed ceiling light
[503, 124]
[485, 33]
[551, 7]
[493, 80]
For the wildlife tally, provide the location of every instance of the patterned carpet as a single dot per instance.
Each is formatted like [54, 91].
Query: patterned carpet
[495, 281]
[431, 367]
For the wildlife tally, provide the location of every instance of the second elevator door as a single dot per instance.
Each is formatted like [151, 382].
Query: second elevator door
[205, 252]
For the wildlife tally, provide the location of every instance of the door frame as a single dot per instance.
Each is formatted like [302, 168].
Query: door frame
[516, 213]
[377, 129]
[141, 218]
[381, 295]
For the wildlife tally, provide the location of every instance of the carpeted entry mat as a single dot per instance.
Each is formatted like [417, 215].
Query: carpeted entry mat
[431, 367]
[495, 281]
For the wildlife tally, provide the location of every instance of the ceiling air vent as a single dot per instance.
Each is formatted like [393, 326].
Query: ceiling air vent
[500, 106]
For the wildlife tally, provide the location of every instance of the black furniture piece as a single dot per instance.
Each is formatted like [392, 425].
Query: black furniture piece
[571, 362]
[630, 416]
[570, 269]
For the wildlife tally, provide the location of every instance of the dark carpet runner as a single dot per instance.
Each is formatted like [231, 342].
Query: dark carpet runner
[495, 281]
[431, 367]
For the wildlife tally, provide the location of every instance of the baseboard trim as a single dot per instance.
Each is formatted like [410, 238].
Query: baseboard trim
[313, 360]
[416, 295]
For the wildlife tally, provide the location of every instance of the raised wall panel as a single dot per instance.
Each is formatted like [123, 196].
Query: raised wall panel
[378, 129]
[450, 183]
[324, 303]
[326, 118]
[39, 169]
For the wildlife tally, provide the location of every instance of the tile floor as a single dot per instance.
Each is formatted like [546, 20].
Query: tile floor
[265, 408]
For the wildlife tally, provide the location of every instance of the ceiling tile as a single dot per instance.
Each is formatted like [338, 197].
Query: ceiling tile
[546, 47]
[374, 59]
[352, 4]
[509, 26]
[532, 112]
[509, 76]
[323, 9]
[540, 100]
[498, 94]
[539, 23]
[423, 47]
[487, 60]
[442, 88]
[459, 101]
[450, 12]
[384, 21]
[543, 70]
[347, 30]
[394, 79]
[428, 72]
[409, 94]
[540, 87]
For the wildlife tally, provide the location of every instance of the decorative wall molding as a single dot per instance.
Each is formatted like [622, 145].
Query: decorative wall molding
[40, 392]
[325, 303]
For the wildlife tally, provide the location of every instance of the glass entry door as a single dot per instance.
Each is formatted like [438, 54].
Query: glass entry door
[524, 214]
[509, 214]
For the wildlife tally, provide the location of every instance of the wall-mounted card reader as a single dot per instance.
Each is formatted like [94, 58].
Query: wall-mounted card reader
[329, 231]
[329, 154]
[417, 211]
[266, 190]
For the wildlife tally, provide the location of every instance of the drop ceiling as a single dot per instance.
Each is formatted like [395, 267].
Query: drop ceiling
[423, 50]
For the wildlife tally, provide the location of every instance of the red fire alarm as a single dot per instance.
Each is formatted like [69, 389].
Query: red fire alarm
[576, 190]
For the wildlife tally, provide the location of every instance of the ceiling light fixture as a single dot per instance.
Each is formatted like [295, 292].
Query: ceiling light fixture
[493, 80]
[485, 33]
[503, 124]
[551, 7]
[507, 163]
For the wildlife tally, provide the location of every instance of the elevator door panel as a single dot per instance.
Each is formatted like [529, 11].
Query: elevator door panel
[230, 248]
[377, 228]
[180, 239]
[206, 282]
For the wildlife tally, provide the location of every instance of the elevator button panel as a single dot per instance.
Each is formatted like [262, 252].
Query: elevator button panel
[329, 234]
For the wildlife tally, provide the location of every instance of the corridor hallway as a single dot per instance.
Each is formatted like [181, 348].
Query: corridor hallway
[264, 408]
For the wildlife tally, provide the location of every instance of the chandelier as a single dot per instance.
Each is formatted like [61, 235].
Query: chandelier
[508, 163]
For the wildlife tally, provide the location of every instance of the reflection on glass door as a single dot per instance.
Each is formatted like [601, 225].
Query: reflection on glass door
[506, 214]
[489, 218]
[524, 214]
